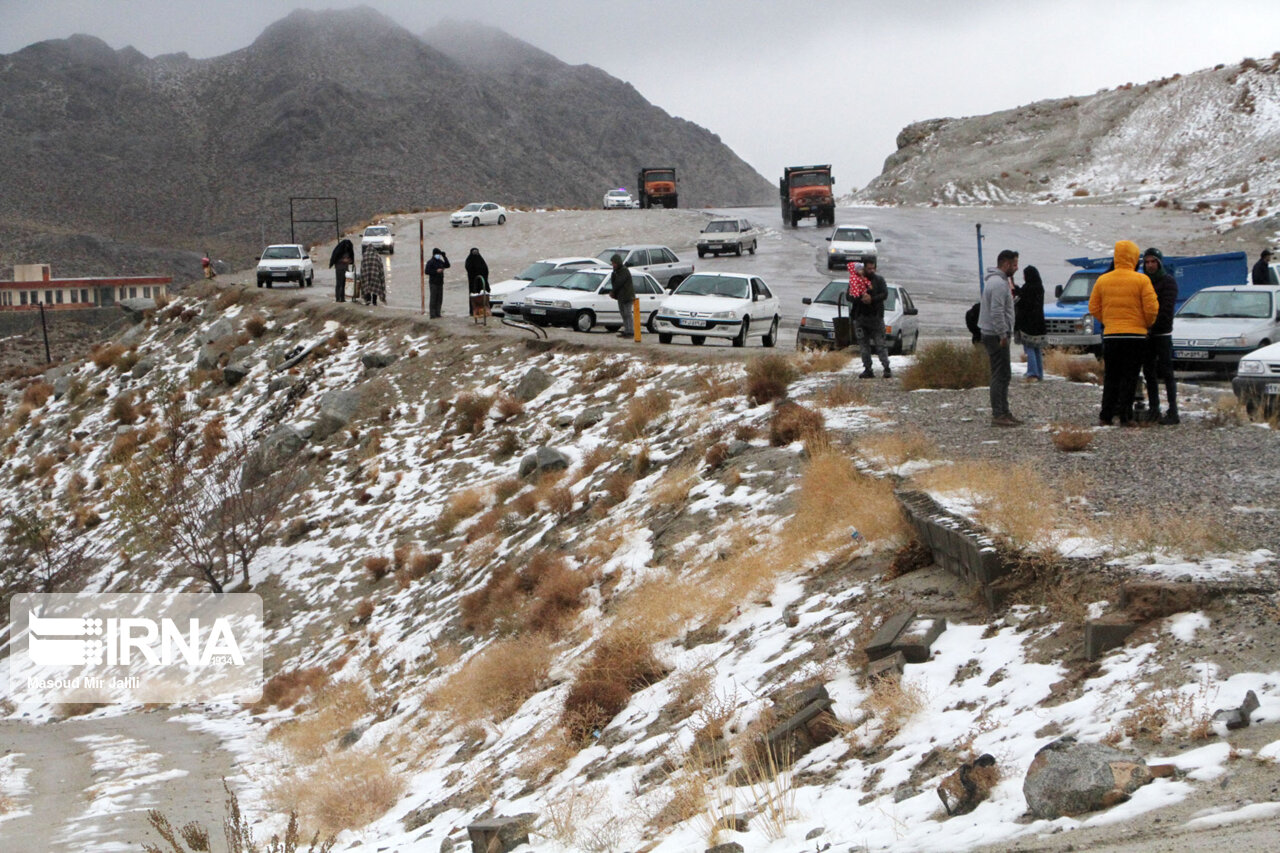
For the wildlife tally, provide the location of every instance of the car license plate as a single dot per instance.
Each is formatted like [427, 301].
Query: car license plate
[1271, 389]
[1191, 353]
[537, 310]
[715, 247]
[695, 324]
[1055, 340]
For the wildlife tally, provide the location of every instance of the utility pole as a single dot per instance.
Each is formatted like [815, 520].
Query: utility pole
[48, 359]
[981, 268]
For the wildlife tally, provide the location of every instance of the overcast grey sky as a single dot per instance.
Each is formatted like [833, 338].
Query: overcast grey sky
[782, 83]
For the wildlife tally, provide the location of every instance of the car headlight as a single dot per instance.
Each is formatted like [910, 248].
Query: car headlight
[1237, 341]
[1086, 323]
[723, 315]
[1249, 366]
[561, 303]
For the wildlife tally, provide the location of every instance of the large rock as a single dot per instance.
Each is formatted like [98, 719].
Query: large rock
[542, 460]
[208, 357]
[588, 418]
[533, 383]
[142, 367]
[272, 453]
[136, 308]
[376, 360]
[234, 372]
[218, 330]
[1071, 778]
[337, 409]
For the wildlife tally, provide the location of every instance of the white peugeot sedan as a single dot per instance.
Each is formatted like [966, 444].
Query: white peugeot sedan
[479, 213]
[850, 243]
[1257, 381]
[817, 326]
[380, 237]
[720, 305]
[584, 300]
[500, 291]
[1219, 325]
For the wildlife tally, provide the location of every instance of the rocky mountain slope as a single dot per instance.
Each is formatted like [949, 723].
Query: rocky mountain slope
[1207, 140]
[115, 160]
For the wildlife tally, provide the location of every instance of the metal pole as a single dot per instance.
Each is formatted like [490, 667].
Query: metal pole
[981, 268]
[422, 268]
[48, 359]
[635, 322]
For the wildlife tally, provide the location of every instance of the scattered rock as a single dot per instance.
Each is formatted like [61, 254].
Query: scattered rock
[542, 460]
[208, 357]
[233, 373]
[1071, 778]
[351, 737]
[815, 832]
[1239, 718]
[588, 418]
[337, 409]
[272, 453]
[377, 360]
[533, 383]
[282, 382]
[727, 847]
[216, 331]
[134, 309]
[963, 790]
[501, 834]
[140, 369]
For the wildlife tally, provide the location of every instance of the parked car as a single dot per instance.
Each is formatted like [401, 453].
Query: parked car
[720, 305]
[849, 243]
[285, 262]
[727, 235]
[658, 261]
[817, 326]
[500, 291]
[1217, 326]
[479, 213]
[1257, 380]
[583, 299]
[617, 199]
[381, 237]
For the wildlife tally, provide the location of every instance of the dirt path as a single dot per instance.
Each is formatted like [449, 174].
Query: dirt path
[90, 783]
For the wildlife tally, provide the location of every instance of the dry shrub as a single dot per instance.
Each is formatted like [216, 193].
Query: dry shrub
[622, 664]
[643, 410]
[162, 299]
[256, 326]
[674, 487]
[506, 487]
[124, 408]
[343, 791]
[284, 689]
[418, 566]
[711, 387]
[470, 412]
[794, 422]
[897, 448]
[1227, 411]
[554, 591]
[37, 393]
[228, 297]
[486, 523]
[495, 682]
[768, 377]
[947, 364]
[85, 518]
[1074, 365]
[1139, 531]
[43, 464]
[640, 462]
[617, 486]
[377, 567]
[123, 446]
[560, 500]
[213, 438]
[1012, 500]
[508, 407]
[843, 393]
[1080, 192]
[820, 360]
[335, 708]
[364, 612]
[891, 704]
[492, 603]
[1170, 712]
[1070, 438]
[717, 454]
[746, 432]
[460, 505]
[107, 355]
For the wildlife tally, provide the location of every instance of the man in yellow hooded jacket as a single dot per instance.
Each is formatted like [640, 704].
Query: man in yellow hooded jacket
[1124, 301]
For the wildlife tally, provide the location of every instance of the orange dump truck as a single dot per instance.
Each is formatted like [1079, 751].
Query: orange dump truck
[657, 187]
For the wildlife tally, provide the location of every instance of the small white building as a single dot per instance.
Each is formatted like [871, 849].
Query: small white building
[33, 286]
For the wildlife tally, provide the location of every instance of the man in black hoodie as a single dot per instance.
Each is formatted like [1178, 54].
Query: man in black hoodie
[1158, 360]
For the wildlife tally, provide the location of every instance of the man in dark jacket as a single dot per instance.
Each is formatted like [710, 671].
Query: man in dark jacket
[342, 259]
[477, 279]
[1158, 360]
[868, 319]
[1262, 269]
[624, 293]
[435, 279]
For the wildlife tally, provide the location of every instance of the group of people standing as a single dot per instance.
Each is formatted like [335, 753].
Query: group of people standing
[371, 277]
[1136, 311]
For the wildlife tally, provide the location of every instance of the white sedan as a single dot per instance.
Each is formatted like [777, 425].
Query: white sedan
[584, 300]
[501, 291]
[720, 305]
[479, 213]
[380, 237]
[619, 198]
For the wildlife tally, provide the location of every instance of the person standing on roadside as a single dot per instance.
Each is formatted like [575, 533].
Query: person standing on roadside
[1028, 321]
[624, 293]
[342, 259]
[477, 279]
[867, 309]
[373, 275]
[995, 320]
[436, 265]
[1262, 269]
[1158, 359]
[1124, 301]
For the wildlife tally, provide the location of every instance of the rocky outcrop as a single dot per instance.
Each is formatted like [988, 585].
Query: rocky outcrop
[1071, 778]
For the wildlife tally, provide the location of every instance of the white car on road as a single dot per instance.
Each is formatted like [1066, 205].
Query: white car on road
[727, 235]
[850, 243]
[285, 262]
[720, 305]
[479, 213]
[381, 237]
[1218, 326]
[658, 261]
[502, 290]
[619, 198]
[585, 300]
[817, 326]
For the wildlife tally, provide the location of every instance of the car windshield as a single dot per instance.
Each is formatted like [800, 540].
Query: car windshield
[728, 225]
[278, 252]
[607, 255]
[474, 206]
[535, 270]
[659, 176]
[1079, 286]
[376, 231]
[851, 235]
[830, 295]
[1250, 304]
[618, 193]
[714, 285]
[579, 281]
[811, 179]
[551, 279]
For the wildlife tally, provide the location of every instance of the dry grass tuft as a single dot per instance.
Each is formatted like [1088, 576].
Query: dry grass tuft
[617, 486]
[343, 791]
[644, 410]
[1012, 500]
[794, 422]
[622, 664]
[1227, 411]
[1139, 531]
[898, 448]
[1074, 365]
[213, 438]
[816, 360]
[891, 705]
[228, 297]
[124, 409]
[674, 487]
[595, 457]
[460, 505]
[946, 364]
[107, 355]
[768, 377]
[418, 566]
[123, 446]
[335, 708]
[470, 412]
[37, 394]
[508, 407]
[843, 393]
[286, 688]
[711, 387]
[377, 567]
[1070, 438]
[256, 325]
[495, 682]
